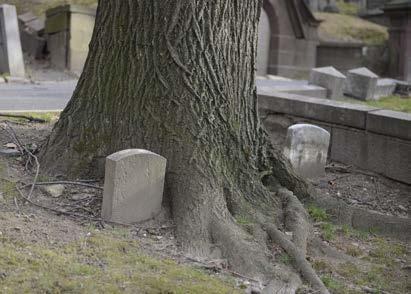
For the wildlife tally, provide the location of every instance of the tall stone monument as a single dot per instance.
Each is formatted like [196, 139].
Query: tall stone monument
[11, 55]
[399, 13]
[69, 29]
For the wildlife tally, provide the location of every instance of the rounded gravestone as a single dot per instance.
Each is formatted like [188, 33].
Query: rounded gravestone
[133, 186]
[306, 146]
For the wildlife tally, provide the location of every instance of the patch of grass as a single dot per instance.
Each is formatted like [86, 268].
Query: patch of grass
[347, 28]
[242, 220]
[328, 231]
[353, 251]
[331, 283]
[8, 189]
[393, 102]
[318, 214]
[348, 231]
[285, 258]
[385, 252]
[322, 266]
[100, 263]
[348, 8]
[373, 277]
[47, 116]
[379, 277]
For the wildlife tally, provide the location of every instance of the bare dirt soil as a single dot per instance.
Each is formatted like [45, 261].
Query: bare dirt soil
[348, 261]
[366, 190]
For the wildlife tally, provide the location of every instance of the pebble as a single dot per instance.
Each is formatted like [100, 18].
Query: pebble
[54, 190]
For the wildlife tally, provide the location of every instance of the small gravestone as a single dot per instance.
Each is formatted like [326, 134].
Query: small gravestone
[384, 88]
[11, 55]
[306, 146]
[133, 186]
[361, 83]
[329, 78]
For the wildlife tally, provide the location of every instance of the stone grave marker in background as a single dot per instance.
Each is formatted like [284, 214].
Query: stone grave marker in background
[133, 186]
[32, 34]
[306, 146]
[329, 78]
[69, 29]
[361, 83]
[11, 55]
[385, 87]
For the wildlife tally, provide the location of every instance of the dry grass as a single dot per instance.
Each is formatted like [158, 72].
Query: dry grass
[341, 27]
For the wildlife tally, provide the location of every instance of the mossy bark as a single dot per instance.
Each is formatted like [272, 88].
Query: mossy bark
[178, 78]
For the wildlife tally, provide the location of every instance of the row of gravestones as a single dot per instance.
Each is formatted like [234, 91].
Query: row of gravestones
[359, 83]
[134, 178]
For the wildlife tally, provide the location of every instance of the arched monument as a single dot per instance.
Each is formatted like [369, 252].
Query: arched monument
[293, 39]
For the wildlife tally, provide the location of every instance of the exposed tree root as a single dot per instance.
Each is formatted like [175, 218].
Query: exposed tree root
[300, 263]
[296, 219]
[242, 251]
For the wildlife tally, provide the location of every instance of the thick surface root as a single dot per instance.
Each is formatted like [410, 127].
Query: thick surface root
[300, 263]
[295, 219]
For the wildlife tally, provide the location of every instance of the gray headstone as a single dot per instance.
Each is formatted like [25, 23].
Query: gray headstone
[385, 87]
[133, 186]
[329, 78]
[306, 146]
[361, 83]
[11, 55]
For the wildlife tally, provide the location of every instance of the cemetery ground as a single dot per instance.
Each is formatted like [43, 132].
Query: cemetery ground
[56, 241]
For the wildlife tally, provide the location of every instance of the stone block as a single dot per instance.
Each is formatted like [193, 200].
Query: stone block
[403, 88]
[329, 111]
[57, 49]
[306, 146]
[329, 78]
[385, 155]
[384, 88]
[390, 123]
[361, 83]
[11, 55]
[133, 186]
[32, 23]
[76, 23]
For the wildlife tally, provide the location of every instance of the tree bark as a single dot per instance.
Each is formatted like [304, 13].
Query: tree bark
[178, 78]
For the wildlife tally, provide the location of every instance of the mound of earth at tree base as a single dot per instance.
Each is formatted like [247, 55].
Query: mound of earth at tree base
[350, 254]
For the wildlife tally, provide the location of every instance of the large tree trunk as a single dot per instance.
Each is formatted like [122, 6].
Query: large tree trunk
[177, 78]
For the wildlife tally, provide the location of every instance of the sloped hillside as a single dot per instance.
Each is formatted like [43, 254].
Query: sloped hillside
[347, 28]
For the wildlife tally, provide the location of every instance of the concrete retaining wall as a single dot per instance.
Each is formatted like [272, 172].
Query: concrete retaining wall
[367, 137]
[346, 56]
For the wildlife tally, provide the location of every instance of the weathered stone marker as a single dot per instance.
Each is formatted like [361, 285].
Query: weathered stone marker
[133, 186]
[361, 83]
[329, 78]
[306, 146]
[11, 55]
[69, 29]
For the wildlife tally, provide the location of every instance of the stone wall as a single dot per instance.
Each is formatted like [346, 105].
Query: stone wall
[366, 137]
[346, 56]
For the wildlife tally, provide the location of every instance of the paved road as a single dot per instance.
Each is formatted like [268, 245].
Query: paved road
[48, 96]
[44, 96]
